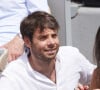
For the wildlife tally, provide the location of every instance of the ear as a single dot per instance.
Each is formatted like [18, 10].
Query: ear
[27, 42]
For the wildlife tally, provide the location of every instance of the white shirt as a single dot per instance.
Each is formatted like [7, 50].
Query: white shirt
[71, 67]
[11, 14]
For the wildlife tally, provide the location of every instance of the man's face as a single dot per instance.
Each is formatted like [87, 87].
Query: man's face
[45, 44]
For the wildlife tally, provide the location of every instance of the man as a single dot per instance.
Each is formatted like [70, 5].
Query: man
[45, 66]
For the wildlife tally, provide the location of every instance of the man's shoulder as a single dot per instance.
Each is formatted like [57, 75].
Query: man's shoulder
[68, 52]
[16, 66]
[65, 49]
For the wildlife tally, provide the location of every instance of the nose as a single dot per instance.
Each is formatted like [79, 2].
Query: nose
[51, 42]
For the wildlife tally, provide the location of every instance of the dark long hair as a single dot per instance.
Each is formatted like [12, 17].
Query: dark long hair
[95, 82]
[96, 51]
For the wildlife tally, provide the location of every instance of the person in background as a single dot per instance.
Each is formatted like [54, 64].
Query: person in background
[11, 14]
[95, 82]
[46, 65]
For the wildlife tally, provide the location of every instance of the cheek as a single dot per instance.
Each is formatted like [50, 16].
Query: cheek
[57, 41]
[40, 45]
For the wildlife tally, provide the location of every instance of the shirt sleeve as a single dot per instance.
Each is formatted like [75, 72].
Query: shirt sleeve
[37, 5]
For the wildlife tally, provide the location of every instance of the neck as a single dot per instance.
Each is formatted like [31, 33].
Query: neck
[46, 68]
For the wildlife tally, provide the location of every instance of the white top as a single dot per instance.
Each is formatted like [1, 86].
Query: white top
[12, 12]
[71, 67]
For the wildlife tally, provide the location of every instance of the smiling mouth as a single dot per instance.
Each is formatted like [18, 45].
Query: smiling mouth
[52, 51]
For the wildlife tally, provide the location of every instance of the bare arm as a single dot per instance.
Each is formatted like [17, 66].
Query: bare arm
[15, 48]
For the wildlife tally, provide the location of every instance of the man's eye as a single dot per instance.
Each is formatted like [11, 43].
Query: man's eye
[43, 38]
[54, 36]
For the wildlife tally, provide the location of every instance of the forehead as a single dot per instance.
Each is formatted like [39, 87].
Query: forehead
[45, 31]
